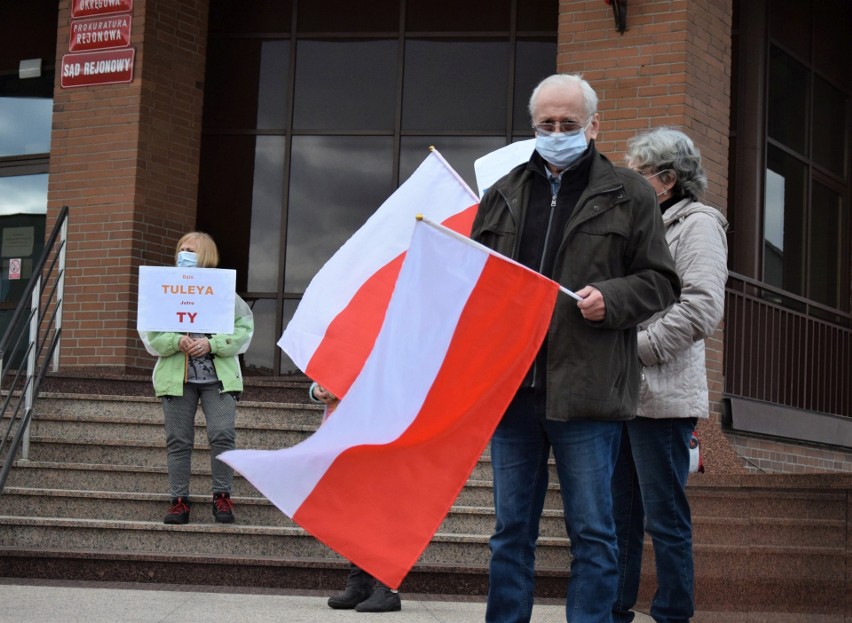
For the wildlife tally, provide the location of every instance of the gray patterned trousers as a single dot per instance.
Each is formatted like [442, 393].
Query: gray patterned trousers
[220, 411]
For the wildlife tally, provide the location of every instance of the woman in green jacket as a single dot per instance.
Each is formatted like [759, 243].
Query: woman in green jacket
[193, 368]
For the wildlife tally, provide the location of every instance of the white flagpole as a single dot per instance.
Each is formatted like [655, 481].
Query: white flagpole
[458, 177]
[473, 243]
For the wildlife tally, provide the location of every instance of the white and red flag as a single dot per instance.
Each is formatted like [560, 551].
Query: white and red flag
[377, 479]
[337, 321]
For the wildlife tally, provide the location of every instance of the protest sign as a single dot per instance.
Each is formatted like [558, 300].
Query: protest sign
[186, 300]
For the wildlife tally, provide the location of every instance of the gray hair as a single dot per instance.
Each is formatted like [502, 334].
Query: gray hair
[668, 149]
[590, 98]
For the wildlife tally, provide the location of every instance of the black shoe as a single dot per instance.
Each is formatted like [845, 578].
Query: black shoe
[382, 600]
[223, 508]
[179, 512]
[359, 586]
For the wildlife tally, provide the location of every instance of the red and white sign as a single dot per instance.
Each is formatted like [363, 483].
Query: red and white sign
[100, 33]
[14, 268]
[104, 67]
[88, 8]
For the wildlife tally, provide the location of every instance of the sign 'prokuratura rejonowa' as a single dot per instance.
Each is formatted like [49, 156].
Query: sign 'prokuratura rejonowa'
[99, 44]
[100, 33]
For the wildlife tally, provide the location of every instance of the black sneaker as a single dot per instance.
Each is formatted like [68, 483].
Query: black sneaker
[179, 512]
[383, 599]
[223, 508]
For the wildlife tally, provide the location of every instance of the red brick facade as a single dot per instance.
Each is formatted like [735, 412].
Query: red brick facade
[671, 67]
[125, 158]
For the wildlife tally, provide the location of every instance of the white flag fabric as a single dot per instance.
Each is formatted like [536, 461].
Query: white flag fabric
[494, 165]
[336, 323]
[377, 479]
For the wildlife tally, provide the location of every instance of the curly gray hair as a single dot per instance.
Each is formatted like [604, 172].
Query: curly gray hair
[668, 149]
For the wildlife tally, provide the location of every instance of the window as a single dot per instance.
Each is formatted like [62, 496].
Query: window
[313, 116]
[26, 109]
[791, 147]
[805, 250]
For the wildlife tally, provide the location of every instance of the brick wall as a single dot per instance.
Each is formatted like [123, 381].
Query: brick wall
[125, 159]
[671, 67]
[764, 455]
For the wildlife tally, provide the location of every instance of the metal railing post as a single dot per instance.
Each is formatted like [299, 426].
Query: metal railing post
[60, 293]
[18, 400]
[32, 354]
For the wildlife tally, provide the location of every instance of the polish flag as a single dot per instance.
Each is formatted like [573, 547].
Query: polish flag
[376, 480]
[336, 323]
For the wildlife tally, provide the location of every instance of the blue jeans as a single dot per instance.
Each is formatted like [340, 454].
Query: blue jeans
[585, 453]
[649, 493]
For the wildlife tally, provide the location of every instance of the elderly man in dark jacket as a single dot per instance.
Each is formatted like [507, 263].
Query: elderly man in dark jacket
[594, 228]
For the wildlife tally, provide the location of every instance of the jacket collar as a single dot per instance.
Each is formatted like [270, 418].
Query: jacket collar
[687, 206]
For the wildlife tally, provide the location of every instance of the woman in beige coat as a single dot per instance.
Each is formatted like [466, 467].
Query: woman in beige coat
[649, 483]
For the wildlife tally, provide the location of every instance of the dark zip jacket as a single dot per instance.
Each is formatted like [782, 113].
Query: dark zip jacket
[614, 240]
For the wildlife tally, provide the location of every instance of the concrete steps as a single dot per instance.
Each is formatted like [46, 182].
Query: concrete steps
[67, 504]
[132, 478]
[89, 503]
[774, 543]
[93, 488]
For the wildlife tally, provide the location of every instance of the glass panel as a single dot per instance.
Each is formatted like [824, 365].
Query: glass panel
[274, 77]
[830, 106]
[538, 15]
[470, 97]
[256, 70]
[287, 365]
[228, 16]
[535, 60]
[790, 24]
[22, 239]
[25, 125]
[336, 183]
[457, 15]
[225, 198]
[826, 252]
[346, 85]
[266, 208]
[788, 97]
[23, 194]
[232, 67]
[348, 16]
[259, 358]
[784, 224]
[459, 151]
[832, 43]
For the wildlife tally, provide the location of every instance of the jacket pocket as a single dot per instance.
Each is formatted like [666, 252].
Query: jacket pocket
[497, 235]
[601, 251]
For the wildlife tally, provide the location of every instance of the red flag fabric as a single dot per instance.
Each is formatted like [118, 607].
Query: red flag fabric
[337, 321]
[377, 479]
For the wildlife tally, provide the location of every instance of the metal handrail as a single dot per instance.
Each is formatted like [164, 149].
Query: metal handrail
[27, 326]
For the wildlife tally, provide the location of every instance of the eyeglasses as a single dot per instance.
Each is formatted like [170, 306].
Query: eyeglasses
[563, 127]
[648, 175]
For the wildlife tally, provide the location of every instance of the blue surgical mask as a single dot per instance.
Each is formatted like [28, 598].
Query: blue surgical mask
[561, 150]
[187, 259]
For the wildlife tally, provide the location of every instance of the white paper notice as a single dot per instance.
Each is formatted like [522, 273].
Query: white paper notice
[186, 300]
